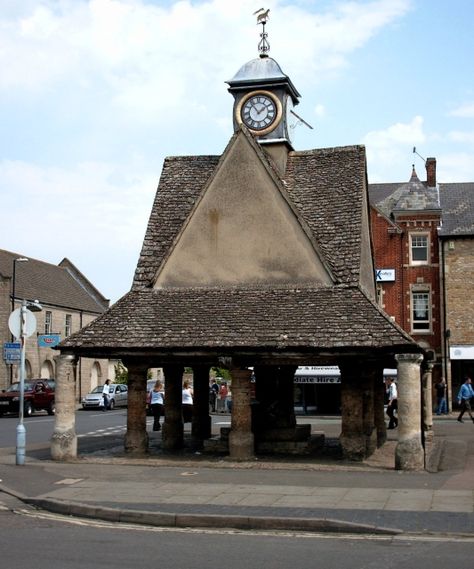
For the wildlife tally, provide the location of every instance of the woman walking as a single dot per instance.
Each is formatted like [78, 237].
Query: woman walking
[156, 403]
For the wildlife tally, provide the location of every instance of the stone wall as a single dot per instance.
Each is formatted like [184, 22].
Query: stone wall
[459, 276]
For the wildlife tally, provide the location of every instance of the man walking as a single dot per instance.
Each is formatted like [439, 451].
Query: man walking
[441, 406]
[392, 405]
[105, 395]
[466, 393]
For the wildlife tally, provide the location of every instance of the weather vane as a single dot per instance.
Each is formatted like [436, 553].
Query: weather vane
[263, 46]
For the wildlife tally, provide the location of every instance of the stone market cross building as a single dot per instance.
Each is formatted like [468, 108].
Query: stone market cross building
[259, 258]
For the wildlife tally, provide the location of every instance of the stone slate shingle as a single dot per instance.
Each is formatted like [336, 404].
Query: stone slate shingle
[263, 317]
[457, 201]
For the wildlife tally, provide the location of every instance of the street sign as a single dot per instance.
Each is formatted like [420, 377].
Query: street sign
[11, 352]
[384, 275]
[14, 323]
[48, 340]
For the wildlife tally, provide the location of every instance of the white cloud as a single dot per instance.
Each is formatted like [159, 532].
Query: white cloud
[464, 111]
[390, 149]
[105, 80]
[153, 60]
[461, 136]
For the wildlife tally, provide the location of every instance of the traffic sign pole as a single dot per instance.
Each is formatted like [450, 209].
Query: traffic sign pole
[20, 430]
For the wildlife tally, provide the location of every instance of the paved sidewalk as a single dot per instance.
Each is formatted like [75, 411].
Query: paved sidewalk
[264, 494]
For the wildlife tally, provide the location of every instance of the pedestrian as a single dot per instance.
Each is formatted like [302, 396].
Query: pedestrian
[213, 391]
[156, 403]
[466, 393]
[187, 402]
[223, 392]
[392, 405]
[105, 396]
[441, 406]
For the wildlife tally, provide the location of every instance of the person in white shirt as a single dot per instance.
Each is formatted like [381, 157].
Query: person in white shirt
[392, 405]
[105, 395]
[187, 402]
[156, 403]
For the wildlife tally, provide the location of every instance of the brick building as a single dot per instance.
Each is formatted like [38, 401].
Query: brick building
[457, 260]
[423, 236]
[405, 220]
[69, 302]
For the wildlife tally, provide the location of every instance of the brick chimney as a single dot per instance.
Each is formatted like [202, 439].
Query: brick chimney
[431, 172]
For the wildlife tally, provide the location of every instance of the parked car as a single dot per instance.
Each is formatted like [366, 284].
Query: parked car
[38, 395]
[118, 397]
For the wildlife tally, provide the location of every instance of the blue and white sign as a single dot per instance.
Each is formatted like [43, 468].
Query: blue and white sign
[48, 340]
[11, 352]
[384, 275]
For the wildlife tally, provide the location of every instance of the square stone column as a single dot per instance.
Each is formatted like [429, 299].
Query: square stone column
[64, 439]
[379, 409]
[409, 454]
[173, 429]
[353, 437]
[201, 423]
[241, 438]
[136, 437]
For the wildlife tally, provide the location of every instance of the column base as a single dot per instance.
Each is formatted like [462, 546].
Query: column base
[353, 447]
[241, 445]
[409, 455]
[136, 443]
[64, 445]
[172, 436]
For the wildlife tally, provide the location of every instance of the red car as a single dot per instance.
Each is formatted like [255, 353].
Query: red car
[38, 395]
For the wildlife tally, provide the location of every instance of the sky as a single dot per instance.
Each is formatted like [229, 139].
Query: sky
[94, 94]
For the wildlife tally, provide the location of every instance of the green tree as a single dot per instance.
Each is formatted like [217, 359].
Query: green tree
[121, 373]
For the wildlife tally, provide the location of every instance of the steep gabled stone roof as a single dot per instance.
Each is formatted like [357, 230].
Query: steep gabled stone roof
[326, 191]
[410, 197]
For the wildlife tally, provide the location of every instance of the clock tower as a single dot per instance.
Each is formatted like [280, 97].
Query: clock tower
[263, 96]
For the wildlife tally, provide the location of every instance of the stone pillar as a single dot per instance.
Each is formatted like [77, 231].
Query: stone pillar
[409, 453]
[426, 382]
[241, 438]
[353, 437]
[274, 393]
[201, 425]
[136, 437]
[379, 410]
[368, 408]
[64, 439]
[427, 407]
[173, 429]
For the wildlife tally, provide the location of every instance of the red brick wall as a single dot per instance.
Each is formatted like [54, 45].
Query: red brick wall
[392, 251]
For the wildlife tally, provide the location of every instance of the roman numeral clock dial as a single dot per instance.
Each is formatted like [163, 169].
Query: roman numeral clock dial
[260, 112]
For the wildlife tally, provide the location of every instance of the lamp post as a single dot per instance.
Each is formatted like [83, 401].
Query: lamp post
[26, 326]
[15, 261]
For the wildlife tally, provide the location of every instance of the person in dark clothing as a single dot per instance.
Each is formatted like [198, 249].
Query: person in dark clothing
[441, 406]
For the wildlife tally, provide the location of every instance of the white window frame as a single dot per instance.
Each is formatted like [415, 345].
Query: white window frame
[420, 296]
[48, 322]
[68, 325]
[414, 239]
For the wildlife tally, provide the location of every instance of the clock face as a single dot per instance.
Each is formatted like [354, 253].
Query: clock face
[259, 111]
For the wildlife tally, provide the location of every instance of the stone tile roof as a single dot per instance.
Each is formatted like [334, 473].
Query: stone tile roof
[326, 188]
[410, 197]
[457, 202]
[282, 318]
[55, 285]
[455, 199]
